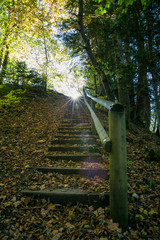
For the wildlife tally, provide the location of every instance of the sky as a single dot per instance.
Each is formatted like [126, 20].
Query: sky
[61, 76]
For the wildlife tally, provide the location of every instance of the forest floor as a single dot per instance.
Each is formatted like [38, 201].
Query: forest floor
[25, 129]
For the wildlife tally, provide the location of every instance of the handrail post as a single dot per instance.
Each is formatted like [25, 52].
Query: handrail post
[118, 159]
[118, 168]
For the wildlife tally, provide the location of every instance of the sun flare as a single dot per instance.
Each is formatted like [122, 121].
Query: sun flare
[75, 95]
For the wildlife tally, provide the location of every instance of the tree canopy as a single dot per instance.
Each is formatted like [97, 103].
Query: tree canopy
[121, 39]
[117, 41]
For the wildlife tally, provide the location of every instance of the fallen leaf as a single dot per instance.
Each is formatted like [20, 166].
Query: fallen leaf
[111, 226]
[52, 206]
[71, 214]
[55, 232]
[41, 141]
[57, 236]
[17, 203]
[43, 212]
[91, 208]
[70, 226]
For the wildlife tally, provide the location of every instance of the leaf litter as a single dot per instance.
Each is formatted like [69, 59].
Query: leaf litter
[24, 134]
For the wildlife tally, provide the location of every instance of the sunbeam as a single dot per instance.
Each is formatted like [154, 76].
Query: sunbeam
[75, 95]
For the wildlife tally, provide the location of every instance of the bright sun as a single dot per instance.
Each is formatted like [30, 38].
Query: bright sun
[75, 95]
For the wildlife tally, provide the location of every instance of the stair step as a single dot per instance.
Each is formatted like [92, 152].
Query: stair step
[74, 133]
[74, 148]
[78, 125]
[76, 157]
[85, 137]
[72, 115]
[74, 141]
[67, 195]
[71, 120]
[74, 128]
[103, 173]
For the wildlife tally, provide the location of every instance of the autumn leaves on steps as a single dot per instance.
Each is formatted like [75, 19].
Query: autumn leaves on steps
[74, 144]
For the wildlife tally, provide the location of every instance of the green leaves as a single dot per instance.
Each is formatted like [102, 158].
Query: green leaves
[144, 213]
[102, 9]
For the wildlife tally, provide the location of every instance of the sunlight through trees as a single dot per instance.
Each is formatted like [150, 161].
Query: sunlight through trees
[113, 46]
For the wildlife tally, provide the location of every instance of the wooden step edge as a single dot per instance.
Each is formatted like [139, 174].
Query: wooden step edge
[63, 137]
[78, 129]
[74, 148]
[73, 145]
[96, 157]
[70, 120]
[74, 141]
[74, 127]
[62, 124]
[77, 133]
[71, 196]
[101, 172]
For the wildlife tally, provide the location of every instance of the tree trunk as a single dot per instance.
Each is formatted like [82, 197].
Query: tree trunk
[3, 46]
[143, 98]
[45, 78]
[143, 108]
[44, 82]
[122, 80]
[4, 65]
[124, 97]
[129, 79]
[152, 67]
[104, 78]
[157, 103]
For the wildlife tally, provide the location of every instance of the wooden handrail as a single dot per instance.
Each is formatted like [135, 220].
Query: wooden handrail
[107, 104]
[118, 157]
[105, 140]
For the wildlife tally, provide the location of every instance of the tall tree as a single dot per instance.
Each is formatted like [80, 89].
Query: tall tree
[4, 65]
[14, 18]
[143, 95]
[105, 78]
[153, 39]
[115, 40]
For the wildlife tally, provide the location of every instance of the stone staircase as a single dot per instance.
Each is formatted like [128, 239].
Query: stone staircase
[74, 142]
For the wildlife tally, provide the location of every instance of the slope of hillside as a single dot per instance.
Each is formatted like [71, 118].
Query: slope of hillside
[26, 127]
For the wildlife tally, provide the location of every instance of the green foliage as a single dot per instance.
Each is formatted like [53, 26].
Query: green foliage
[28, 32]
[6, 89]
[126, 3]
[129, 163]
[18, 73]
[12, 97]
[12, 94]
[101, 10]
[144, 212]
[152, 183]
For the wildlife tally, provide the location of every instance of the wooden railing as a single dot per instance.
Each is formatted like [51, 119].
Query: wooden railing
[115, 144]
